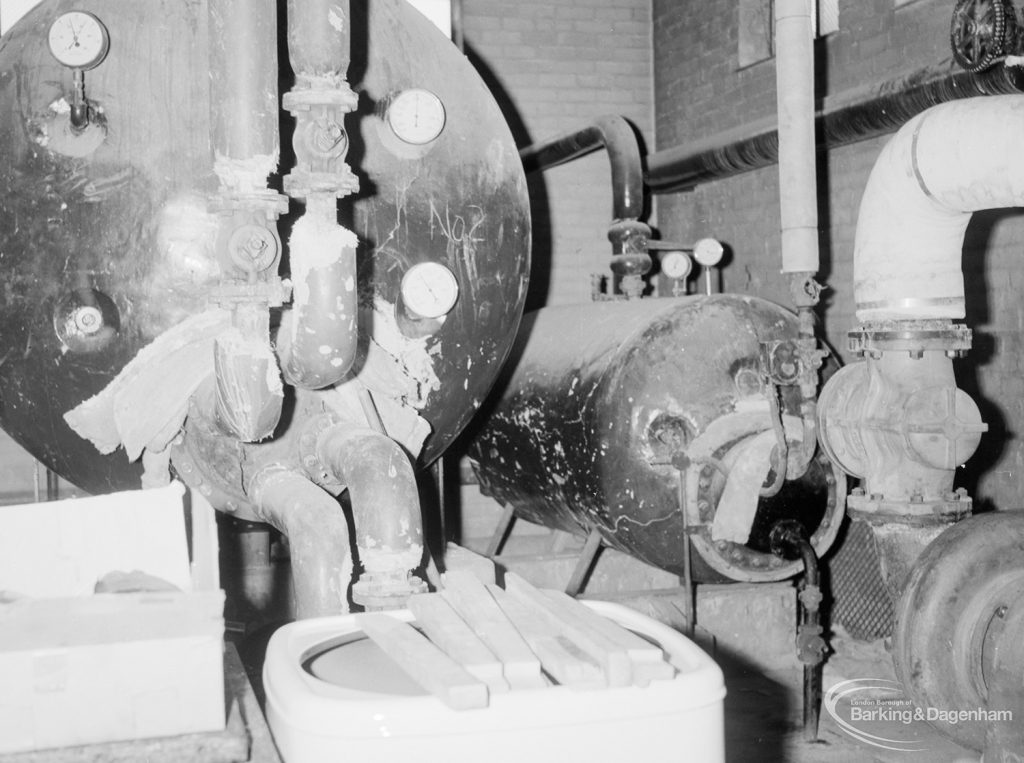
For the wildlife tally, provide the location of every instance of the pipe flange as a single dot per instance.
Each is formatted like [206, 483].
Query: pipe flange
[915, 337]
[309, 441]
[739, 561]
[388, 589]
[875, 509]
[301, 183]
[342, 97]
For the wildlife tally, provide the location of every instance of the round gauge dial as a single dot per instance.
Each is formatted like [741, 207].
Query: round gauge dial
[429, 290]
[416, 116]
[676, 264]
[78, 40]
[708, 251]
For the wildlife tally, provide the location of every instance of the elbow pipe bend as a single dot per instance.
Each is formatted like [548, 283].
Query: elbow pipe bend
[616, 135]
[318, 538]
[948, 162]
[322, 344]
[383, 494]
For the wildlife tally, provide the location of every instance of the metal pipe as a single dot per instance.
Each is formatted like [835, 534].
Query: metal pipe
[629, 236]
[321, 345]
[616, 136]
[941, 167]
[317, 532]
[458, 27]
[861, 115]
[319, 39]
[243, 79]
[385, 511]
[798, 196]
[323, 335]
[788, 539]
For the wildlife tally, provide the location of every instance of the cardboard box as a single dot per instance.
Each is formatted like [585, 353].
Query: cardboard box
[78, 667]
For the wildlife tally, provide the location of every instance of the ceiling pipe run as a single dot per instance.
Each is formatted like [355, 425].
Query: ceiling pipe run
[860, 115]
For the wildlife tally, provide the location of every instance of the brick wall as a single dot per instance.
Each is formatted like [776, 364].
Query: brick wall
[554, 67]
[700, 91]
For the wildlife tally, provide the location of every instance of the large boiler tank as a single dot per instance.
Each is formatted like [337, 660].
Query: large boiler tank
[608, 399]
[117, 225]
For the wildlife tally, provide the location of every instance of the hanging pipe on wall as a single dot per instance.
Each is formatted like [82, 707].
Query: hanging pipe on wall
[243, 114]
[320, 347]
[861, 115]
[629, 236]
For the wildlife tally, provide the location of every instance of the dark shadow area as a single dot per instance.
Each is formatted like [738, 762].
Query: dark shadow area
[977, 287]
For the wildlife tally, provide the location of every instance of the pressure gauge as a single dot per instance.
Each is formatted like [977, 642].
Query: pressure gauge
[429, 290]
[676, 264]
[79, 40]
[708, 252]
[416, 116]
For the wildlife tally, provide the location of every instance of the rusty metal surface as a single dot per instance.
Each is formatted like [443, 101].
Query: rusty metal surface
[118, 223]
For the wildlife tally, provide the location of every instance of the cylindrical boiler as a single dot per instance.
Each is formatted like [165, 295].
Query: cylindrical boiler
[608, 399]
[109, 237]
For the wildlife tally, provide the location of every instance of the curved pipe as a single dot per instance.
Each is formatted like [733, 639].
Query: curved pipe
[866, 115]
[317, 534]
[322, 343]
[945, 164]
[616, 136]
[385, 508]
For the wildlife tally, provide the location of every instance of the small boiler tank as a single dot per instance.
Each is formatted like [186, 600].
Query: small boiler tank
[608, 399]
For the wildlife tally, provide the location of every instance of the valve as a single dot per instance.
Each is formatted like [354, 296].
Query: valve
[982, 32]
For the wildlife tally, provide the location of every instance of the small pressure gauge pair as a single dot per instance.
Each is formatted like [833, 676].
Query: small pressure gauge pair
[708, 252]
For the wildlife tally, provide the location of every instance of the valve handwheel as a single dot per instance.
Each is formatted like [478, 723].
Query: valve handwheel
[982, 32]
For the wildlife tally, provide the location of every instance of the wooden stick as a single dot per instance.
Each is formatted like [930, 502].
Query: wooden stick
[561, 658]
[447, 630]
[611, 657]
[468, 596]
[431, 668]
[648, 659]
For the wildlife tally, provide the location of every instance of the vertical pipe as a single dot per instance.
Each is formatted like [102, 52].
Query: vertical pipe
[322, 253]
[317, 533]
[319, 38]
[798, 196]
[243, 78]
[244, 119]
